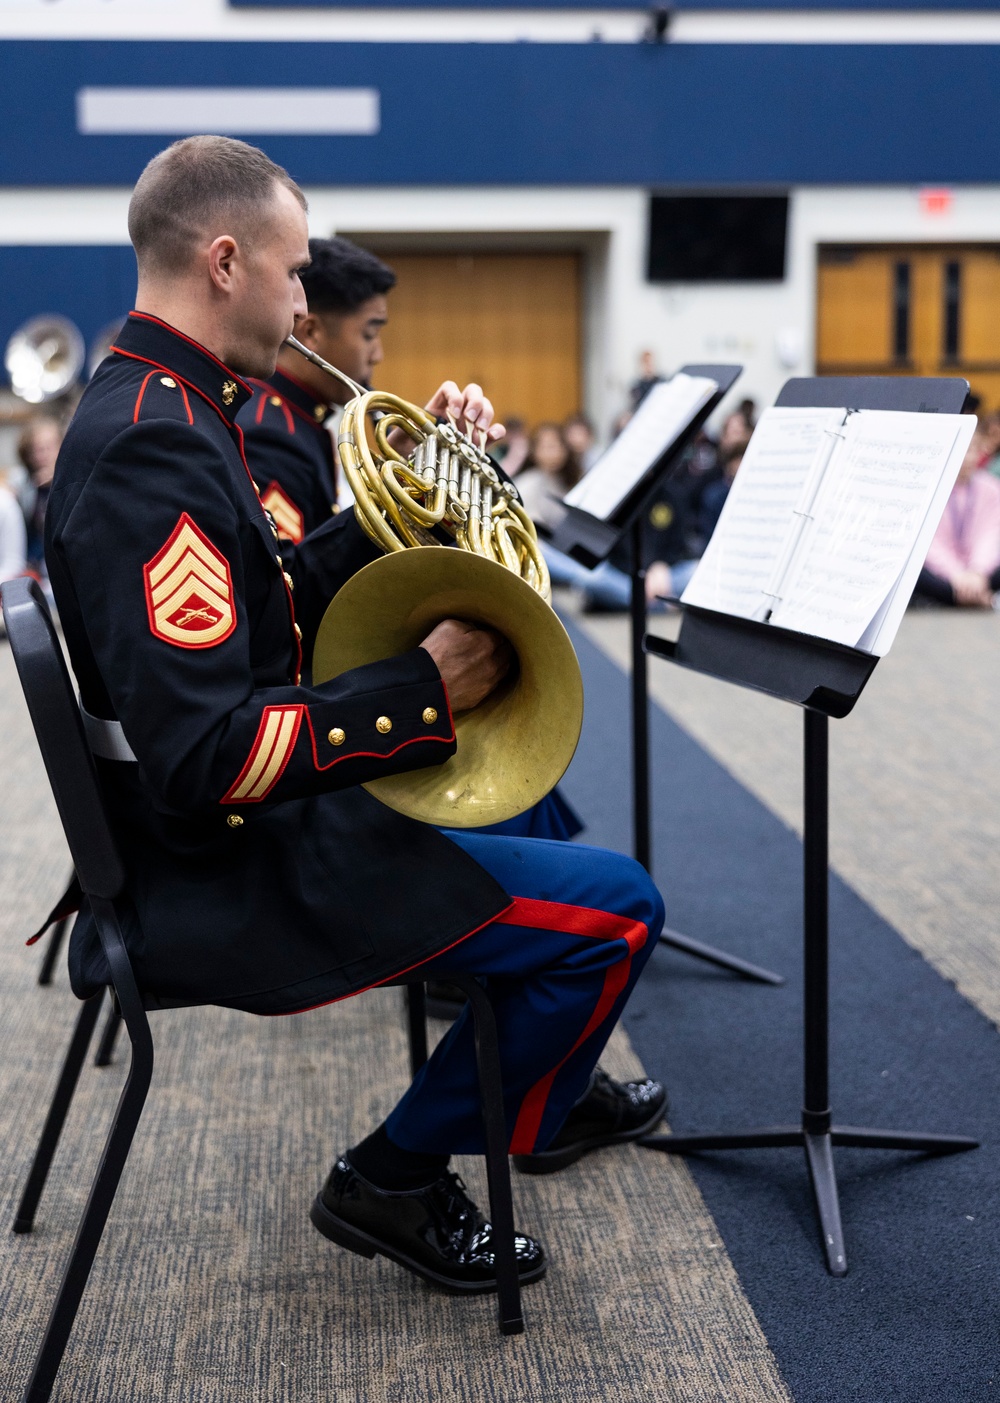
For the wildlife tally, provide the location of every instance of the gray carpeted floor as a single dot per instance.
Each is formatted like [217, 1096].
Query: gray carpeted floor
[212, 1287]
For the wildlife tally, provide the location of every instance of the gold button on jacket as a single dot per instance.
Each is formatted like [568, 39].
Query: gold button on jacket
[337, 736]
[430, 715]
[234, 821]
[384, 725]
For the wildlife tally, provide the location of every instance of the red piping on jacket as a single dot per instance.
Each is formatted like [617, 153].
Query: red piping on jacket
[389, 978]
[370, 754]
[147, 317]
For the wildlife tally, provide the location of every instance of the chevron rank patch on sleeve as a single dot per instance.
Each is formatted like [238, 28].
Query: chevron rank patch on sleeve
[189, 590]
[288, 520]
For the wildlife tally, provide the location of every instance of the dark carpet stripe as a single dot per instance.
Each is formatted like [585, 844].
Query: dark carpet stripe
[916, 1318]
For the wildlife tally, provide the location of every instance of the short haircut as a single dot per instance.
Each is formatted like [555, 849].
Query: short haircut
[342, 276]
[194, 185]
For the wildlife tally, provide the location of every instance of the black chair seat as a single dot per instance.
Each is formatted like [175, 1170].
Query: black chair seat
[55, 716]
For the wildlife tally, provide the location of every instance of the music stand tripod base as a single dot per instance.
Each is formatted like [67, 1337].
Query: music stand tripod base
[824, 679]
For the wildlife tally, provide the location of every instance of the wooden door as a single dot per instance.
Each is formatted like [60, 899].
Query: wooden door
[510, 321]
[911, 310]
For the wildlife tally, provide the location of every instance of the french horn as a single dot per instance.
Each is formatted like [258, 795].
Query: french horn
[458, 544]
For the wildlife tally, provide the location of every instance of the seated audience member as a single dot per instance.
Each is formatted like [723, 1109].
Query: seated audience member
[38, 448]
[550, 470]
[648, 377]
[578, 432]
[667, 576]
[963, 563]
[513, 449]
[13, 537]
[713, 499]
[989, 429]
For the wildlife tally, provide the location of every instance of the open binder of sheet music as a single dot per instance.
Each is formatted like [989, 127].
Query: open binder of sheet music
[656, 425]
[829, 519]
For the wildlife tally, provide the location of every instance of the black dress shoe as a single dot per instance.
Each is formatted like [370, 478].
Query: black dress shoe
[436, 1232]
[609, 1113]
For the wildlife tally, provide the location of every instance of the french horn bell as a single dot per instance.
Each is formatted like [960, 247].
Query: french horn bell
[458, 544]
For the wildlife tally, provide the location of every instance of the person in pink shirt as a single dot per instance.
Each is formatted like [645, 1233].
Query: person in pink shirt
[963, 563]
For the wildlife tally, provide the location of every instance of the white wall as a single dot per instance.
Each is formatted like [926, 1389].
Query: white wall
[768, 327]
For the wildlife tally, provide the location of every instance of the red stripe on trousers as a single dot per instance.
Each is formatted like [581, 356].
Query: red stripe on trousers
[572, 920]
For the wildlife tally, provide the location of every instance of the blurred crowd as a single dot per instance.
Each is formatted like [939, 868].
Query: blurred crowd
[962, 567]
[24, 493]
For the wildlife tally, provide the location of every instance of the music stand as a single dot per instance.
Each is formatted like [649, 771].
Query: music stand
[825, 679]
[590, 541]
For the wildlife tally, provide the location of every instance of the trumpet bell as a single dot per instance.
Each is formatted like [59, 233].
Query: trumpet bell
[44, 357]
[514, 746]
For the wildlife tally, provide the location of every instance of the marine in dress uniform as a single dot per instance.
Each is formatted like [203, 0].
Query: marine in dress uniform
[262, 876]
[290, 454]
[289, 451]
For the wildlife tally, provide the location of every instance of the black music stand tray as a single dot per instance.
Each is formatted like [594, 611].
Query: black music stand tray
[590, 541]
[825, 679]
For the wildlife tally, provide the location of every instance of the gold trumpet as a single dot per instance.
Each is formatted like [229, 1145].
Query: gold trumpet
[516, 744]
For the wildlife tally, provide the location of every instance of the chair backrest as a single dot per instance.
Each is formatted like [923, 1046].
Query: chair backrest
[55, 715]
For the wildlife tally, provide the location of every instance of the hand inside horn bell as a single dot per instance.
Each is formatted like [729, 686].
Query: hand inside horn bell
[471, 660]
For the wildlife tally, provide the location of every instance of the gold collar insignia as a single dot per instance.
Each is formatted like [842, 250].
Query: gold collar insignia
[228, 392]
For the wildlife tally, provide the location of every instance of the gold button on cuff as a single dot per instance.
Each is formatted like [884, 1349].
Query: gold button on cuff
[234, 821]
[430, 715]
[275, 400]
[337, 736]
[383, 725]
[170, 383]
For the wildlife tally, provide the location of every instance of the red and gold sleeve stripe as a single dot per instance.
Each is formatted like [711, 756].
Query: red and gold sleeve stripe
[272, 749]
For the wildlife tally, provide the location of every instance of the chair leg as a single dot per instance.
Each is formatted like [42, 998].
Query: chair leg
[416, 1022]
[511, 1318]
[82, 1033]
[106, 1047]
[52, 951]
[91, 1229]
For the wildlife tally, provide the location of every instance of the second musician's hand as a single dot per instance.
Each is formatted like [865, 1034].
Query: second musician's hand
[471, 411]
[471, 660]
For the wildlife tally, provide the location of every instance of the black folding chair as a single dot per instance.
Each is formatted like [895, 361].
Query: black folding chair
[68, 762]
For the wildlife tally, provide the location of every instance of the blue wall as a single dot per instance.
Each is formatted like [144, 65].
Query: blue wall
[530, 113]
[90, 285]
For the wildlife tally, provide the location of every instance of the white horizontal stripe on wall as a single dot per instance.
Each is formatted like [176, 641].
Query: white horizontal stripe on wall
[217, 20]
[228, 111]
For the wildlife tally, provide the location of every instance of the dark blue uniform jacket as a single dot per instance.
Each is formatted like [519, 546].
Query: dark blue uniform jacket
[261, 875]
[290, 454]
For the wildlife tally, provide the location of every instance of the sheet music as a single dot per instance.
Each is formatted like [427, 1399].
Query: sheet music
[758, 527]
[878, 637]
[658, 422]
[869, 513]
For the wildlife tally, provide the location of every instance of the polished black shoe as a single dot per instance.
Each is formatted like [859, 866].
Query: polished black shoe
[609, 1113]
[437, 1232]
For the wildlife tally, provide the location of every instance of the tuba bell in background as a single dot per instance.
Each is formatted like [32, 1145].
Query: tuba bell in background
[44, 358]
[515, 746]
